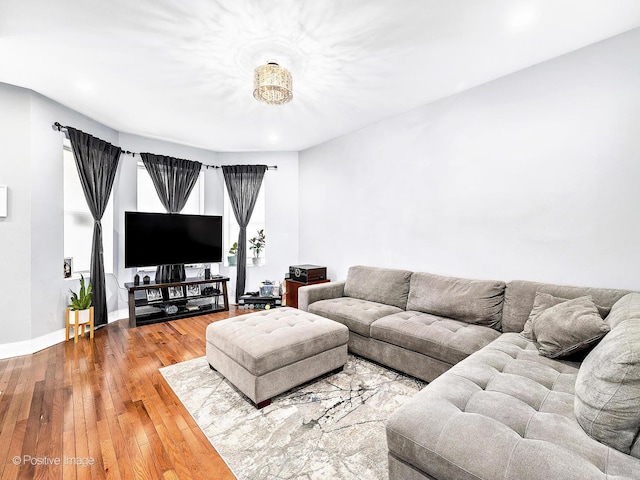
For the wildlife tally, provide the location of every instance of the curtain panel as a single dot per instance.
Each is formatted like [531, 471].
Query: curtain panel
[174, 178]
[243, 184]
[97, 163]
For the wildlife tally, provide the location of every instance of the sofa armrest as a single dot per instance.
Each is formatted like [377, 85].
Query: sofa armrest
[321, 291]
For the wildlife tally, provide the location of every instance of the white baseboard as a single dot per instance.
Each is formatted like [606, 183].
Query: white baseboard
[28, 347]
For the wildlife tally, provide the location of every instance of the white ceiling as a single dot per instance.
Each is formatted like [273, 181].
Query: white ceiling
[183, 70]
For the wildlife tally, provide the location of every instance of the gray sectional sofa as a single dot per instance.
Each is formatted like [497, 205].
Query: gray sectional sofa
[561, 404]
[418, 323]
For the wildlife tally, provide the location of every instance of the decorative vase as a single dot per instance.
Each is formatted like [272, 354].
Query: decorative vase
[233, 260]
[257, 261]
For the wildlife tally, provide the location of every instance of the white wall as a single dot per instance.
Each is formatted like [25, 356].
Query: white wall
[34, 293]
[532, 176]
[15, 229]
[281, 231]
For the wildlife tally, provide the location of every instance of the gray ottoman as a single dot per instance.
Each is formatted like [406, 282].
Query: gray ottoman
[266, 353]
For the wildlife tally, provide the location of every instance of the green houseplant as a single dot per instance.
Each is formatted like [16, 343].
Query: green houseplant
[233, 255]
[82, 299]
[257, 245]
[80, 311]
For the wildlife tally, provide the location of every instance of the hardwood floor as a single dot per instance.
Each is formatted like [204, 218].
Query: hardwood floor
[101, 410]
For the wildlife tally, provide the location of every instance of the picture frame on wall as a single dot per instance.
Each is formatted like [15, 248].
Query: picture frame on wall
[4, 196]
[175, 292]
[154, 295]
[193, 290]
[68, 267]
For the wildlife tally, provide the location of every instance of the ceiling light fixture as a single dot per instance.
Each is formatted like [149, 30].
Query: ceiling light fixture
[272, 84]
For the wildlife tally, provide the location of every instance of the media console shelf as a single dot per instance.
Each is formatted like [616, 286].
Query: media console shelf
[159, 302]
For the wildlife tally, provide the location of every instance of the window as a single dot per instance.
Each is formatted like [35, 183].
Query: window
[256, 223]
[78, 222]
[148, 200]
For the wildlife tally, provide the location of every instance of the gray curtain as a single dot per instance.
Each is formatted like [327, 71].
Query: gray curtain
[174, 178]
[97, 163]
[243, 184]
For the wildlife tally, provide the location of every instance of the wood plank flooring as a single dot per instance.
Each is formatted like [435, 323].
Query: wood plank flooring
[101, 410]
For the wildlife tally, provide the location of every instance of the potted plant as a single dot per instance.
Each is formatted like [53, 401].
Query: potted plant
[81, 301]
[257, 245]
[81, 307]
[233, 255]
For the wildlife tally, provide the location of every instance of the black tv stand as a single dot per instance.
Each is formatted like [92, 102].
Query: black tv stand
[163, 301]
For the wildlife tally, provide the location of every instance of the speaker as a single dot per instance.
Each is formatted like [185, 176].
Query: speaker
[207, 273]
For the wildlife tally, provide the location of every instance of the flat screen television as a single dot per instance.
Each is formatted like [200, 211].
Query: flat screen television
[153, 239]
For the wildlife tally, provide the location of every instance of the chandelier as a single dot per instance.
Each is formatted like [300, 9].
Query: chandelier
[272, 84]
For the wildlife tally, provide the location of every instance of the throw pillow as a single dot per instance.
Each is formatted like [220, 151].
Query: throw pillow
[607, 399]
[543, 301]
[568, 327]
[540, 304]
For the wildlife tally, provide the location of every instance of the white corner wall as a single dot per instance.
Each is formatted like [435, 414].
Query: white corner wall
[34, 293]
[532, 176]
[15, 229]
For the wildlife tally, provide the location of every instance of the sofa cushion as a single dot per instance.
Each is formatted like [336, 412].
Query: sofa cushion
[607, 403]
[441, 338]
[627, 308]
[520, 294]
[568, 327]
[504, 413]
[356, 314]
[382, 285]
[473, 301]
[543, 301]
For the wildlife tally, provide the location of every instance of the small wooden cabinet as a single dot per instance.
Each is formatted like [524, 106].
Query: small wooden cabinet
[160, 302]
[291, 291]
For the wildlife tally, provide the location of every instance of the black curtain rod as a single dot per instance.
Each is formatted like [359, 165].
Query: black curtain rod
[57, 126]
[60, 128]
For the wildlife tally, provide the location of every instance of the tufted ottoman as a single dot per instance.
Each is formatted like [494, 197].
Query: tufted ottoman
[266, 353]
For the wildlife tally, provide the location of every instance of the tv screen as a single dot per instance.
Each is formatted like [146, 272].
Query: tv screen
[152, 239]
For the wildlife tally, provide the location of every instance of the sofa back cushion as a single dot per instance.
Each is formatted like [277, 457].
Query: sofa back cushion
[607, 399]
[382, 285]
[477, 302]
[520, 295]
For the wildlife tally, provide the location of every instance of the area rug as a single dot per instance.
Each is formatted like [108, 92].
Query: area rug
[331, 428]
